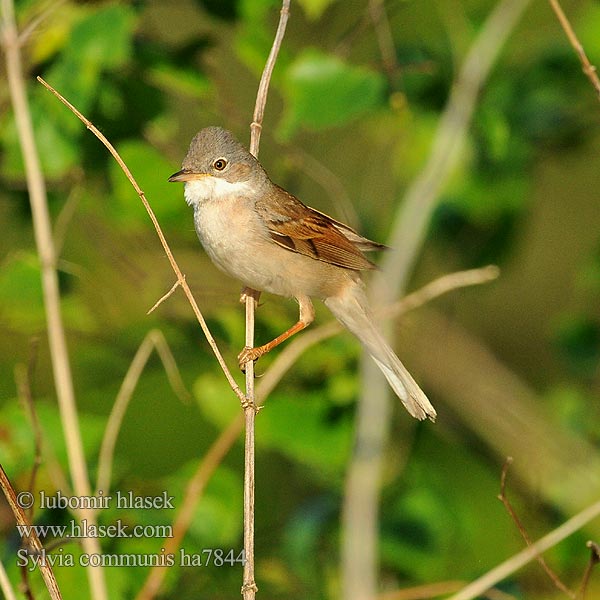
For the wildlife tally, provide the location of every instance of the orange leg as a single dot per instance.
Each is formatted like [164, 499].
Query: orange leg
[307, 316]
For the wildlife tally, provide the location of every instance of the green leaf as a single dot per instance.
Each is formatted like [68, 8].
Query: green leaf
[323, 91]
[99, 42]
[324, 442]
[314, 9]
[103, 38]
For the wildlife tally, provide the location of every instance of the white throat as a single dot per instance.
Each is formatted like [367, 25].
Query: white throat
[212, 188]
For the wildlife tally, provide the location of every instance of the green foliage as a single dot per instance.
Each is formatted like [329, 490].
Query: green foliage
[322, 91]
[314, 9]
[149, 75]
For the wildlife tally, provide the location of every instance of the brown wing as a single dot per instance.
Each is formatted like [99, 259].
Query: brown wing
[301, 229]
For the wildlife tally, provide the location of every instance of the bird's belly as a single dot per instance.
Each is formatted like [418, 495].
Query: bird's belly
[235, 241]
[239, 244]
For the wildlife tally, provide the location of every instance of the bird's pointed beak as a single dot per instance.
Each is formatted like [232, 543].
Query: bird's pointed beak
[186, 175]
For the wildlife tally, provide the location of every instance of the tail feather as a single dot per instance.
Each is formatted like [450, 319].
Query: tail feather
[350, 308]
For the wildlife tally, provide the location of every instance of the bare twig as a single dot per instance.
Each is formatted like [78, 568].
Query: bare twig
[594, 560]
[249, 587]
[59, 355]
[154, 340]
[503, 570]
[513, 515]
[588, 68]
[268, 382]
[31, 542]
[362, 497]
[265, 80]
[163, 241]
[165, 297]
[438, 287]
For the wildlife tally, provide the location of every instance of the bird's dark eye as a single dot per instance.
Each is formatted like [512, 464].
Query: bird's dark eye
[220, 164]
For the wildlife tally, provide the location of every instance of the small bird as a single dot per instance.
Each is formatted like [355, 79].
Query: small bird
[258, 233]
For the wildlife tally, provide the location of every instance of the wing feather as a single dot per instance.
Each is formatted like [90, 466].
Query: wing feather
[299, 228]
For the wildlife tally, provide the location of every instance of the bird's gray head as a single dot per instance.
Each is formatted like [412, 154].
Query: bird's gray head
[217, 164]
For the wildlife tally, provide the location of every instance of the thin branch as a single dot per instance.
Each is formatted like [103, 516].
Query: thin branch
[23, 379]
[31, 542]
[163, 298]
[249, 587]
[63, 379]
[594, 560]
[268, 382]
[438, 287]
[265, 80]
[163, 241]
[155, 340]
[588, 68]
[508, 567]
[513, 515]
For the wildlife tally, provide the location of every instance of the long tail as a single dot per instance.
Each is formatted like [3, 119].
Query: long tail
[350, 308]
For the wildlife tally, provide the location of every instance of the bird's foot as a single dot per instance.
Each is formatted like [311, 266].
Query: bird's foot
[249, 354]
[249, 293]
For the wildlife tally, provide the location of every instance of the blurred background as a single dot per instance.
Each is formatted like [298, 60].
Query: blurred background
[513, 366]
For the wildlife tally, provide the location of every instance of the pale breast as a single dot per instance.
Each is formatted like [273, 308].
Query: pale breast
[238, 242]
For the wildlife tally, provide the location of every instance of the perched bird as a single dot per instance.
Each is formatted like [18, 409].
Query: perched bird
[255, 231]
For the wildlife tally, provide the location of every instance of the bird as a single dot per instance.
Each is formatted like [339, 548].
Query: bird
[258, 233]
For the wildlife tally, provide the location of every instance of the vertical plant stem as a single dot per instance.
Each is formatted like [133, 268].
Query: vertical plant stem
[249, 587]
[45, 246]
[361, 506]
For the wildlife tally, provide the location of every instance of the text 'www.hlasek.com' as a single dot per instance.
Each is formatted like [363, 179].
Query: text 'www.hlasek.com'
[60, 535]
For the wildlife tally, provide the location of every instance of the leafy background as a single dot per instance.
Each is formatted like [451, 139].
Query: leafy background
[346, 136]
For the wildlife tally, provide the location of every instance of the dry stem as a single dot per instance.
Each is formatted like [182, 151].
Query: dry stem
[594, 560]
[513, 515]
[588, 68]
[63, 379]
[280, 366]
[32, 542]
[161, 236]
[249, 587]
[508, 567]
